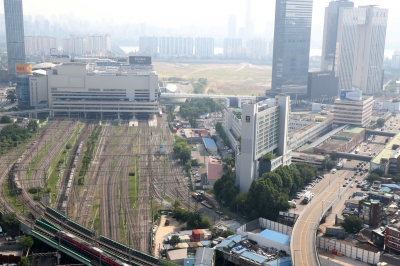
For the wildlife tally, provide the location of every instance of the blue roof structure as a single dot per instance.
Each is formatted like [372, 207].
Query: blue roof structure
[224, 243]
[236, 238]
[205, 243]
[275, 236]
[281, 262]
[188, 262]
[253, 256]
[209, 143]
[392, 186]
[386, 189]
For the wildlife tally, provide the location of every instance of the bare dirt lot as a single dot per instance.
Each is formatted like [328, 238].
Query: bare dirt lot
[236, 79]
[163, 231]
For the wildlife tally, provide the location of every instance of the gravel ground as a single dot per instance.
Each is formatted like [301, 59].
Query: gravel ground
[163, 231]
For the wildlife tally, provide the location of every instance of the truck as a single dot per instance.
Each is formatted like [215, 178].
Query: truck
[292, 204]
[340, 164]
[307, 197]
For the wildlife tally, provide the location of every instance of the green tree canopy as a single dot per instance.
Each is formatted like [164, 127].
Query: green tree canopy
[11, 96]
[174, 240]
[5, 120]
[26, 242]
[33, 126]
[195, 107]
[327, 163]
[380, 122]
[352, 224]
[373, 177]
[11, 220]
[24, 262]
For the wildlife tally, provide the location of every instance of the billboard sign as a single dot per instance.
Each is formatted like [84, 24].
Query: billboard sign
[351, 95]
[140, 60]
[23, 68]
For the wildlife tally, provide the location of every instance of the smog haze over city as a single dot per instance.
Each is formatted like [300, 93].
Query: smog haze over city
[126, 19]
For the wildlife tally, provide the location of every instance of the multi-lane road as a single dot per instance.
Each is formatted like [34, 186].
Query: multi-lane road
[330, 189]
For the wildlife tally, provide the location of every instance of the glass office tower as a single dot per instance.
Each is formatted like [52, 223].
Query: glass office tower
[291, 45]
[15, 34]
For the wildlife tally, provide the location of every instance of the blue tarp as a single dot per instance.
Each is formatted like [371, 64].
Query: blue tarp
[281, 262]
[275, 236]
[253, 256]
[392, 186]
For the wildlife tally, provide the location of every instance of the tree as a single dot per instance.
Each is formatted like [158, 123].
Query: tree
[177, 203]
[24, 262]
[174, 240]
[26, 242]
[268, 157]
[327, 163]
[352, 224]
[227, 233]
[11, 96]
[5, 120]
[193, 122]
[11, 220]
[33, 126]
[373, 177]
[380, 122]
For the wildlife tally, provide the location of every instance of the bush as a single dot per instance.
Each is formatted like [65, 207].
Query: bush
[131, 173]
[69, 146]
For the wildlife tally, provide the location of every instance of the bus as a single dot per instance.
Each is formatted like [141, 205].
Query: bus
[307, 197]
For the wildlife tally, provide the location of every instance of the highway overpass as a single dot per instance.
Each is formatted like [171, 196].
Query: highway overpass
[212, 96]
[379, 133]
[351, 156]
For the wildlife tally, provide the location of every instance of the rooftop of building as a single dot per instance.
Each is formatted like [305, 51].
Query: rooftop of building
[209, 143]
[46, 65]
[275, 236]
[214, 171]
[177, 254]
[315, 157]
[387, 151]
[204, 256]
[341, 137]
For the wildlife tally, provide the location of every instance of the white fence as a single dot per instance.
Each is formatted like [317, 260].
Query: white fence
[348, 250]
[262, 223]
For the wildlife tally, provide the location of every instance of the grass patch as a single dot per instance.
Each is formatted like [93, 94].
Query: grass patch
[13, 200]
[38, 158]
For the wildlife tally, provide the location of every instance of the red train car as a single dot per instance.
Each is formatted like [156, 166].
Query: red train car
[98, 253]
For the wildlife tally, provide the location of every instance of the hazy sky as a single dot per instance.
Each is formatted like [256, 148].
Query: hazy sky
[174, 13]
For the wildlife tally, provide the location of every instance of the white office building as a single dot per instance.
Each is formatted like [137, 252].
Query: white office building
[353, 112]
[176, 45]
[360, 44]
[204, 46]
[88, 90]
[262, 128]
[40, 45]
[98, 45]
[148, 45]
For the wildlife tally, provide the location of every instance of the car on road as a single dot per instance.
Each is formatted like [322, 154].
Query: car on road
[333, 171]
[346, 178]
[351, 185]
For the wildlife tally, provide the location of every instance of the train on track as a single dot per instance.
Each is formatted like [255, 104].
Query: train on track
[71, 178]
[96, 252]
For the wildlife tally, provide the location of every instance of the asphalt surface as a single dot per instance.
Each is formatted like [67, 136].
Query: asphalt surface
[330, 189]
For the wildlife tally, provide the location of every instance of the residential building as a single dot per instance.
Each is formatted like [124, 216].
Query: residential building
[292, 36]
[258, 48]
[204, 46]
[214, 172]
[330, 33]
[322, 85]
[357, 57]
[378, 237]
[86, 89]
[233, 48]
[392, 238]
[232, 27]
[249, 24]
[265, 125]
[355, 111]
[148, 45]
[396, 60]
[98, 45]
[371, 212]
[40, 45]
[14, 22]
[176, 46]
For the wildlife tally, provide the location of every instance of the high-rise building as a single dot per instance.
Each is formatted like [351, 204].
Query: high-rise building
[176, 46]
[204, 46]
[98, 44]
[359, 49]
[330, 33]
[396, 60]
[15, 34]
[262, 128]
[148, 45]
[257, 47]
[233, 48]
[40, 45]
[291, 45]
[232, 27]
[249, 22]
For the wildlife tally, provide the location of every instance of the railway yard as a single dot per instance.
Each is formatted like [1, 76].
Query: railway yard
[100, 181]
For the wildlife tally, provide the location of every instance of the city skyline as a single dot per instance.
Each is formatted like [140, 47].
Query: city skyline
[181, 15]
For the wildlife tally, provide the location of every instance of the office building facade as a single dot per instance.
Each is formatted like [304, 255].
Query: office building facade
[176, 45]
[14, 23]
[262, 128]
[359, 50]
[86, 89]
[204, 46]
[353, 112]
[40, 45]
[322, 85]
[292, 36]
[328, 57]
[148, 45]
